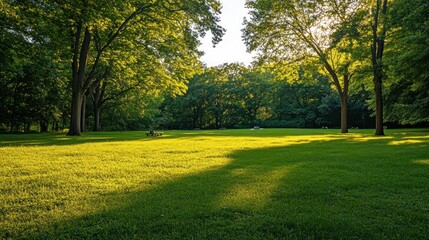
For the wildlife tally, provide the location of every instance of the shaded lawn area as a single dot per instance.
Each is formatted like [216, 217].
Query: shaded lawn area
[230, 184]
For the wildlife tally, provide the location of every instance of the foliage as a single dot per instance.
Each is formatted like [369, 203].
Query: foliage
[32, 82]
[136, 65]
[408, 58]
[226, 96]
[152, 43]
[231, 96]
[297, 31]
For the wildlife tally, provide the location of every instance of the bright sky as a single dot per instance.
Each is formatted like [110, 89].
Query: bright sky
[232, 48]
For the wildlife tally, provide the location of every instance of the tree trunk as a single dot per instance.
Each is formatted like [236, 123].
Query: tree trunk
[79, 65]
[344, 99]
[27, 126]
[44, 126]
[379, 129]
[344, 127]
[77, 84]
[55, 126]
[194, 118]
[83, 114]
[76, 112]
[377, 50]
[97, 126]
[97, 100]
[343, 92]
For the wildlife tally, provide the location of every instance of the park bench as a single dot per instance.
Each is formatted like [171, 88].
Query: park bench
[154, 133]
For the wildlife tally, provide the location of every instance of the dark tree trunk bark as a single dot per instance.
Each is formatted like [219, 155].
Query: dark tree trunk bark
[344, 127]
[97, 101]
[83, 114]
[55, 126]
[97, 126]
[76, 112]
[344, 101]
[379, 129]
[194, 119]
[44, 126]
[27, 127]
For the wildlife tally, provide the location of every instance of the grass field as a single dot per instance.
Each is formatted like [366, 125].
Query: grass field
[226, 184]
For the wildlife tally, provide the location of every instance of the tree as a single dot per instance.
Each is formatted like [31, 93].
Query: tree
[257, 86]
[407, 55]
[304, 99]
[292, 31]
[31, 79]
[379, 29]
[98, 31]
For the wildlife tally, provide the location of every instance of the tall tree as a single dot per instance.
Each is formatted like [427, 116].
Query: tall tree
[379, 29]
[407, 55]
[31, 79]
[295, 30]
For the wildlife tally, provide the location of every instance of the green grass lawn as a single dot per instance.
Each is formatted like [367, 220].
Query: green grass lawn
[226, 184]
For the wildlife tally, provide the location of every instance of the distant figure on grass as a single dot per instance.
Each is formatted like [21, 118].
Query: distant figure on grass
[154, 133]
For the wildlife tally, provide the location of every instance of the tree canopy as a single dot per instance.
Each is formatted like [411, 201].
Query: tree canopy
[117, 65]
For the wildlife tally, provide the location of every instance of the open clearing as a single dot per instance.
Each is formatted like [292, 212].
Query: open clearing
[223, 184]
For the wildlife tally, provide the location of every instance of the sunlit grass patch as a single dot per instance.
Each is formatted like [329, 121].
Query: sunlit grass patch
[242, 184]
[423, 162]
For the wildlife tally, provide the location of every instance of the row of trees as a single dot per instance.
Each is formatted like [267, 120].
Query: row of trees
[349, 39]
[121, 45]
[233, 96]
[126, 65]
[336, 33]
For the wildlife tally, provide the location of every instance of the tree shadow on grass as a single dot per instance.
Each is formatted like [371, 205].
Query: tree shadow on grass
[60, 139]
[317, 190]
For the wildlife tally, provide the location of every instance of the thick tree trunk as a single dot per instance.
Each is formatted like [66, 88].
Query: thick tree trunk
[77, 85]
[79, 65]
[76, 113]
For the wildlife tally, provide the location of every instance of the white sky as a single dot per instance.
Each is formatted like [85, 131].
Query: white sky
[232, 48]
